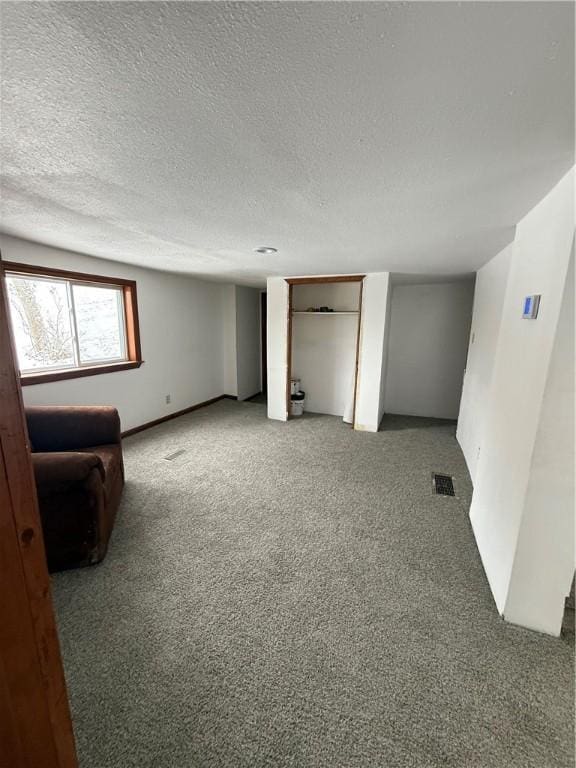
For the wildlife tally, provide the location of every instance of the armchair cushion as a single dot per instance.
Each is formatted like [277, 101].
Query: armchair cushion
[68, 428]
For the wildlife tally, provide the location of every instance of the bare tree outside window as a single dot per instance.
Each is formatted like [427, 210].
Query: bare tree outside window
[42, 323]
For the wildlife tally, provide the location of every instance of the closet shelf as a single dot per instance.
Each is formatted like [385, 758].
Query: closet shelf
[304, 312]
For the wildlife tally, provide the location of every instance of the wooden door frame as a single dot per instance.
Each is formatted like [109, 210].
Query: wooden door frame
[264, 341]
[35, 722]
[292, 281]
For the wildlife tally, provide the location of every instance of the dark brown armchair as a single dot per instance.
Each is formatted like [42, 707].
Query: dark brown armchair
[79, 471]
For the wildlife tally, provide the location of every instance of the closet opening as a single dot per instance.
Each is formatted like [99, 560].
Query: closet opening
[324, 321]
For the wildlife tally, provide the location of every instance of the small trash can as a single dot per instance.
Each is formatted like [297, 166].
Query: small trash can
[297, 403]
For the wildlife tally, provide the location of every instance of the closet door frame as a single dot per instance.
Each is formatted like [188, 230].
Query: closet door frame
[35, 722]
[292, 281]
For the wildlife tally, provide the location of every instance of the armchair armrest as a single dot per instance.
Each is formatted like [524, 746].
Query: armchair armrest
[57, 471]
[63, 427]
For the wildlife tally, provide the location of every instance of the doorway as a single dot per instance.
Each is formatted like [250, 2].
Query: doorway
[324, 321]
[263, 343]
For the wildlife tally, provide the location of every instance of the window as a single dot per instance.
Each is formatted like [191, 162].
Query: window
[68, 324]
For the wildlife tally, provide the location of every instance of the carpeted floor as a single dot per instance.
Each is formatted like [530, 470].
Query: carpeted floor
[294, 595]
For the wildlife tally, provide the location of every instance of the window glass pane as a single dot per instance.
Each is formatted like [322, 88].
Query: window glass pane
[99, 315]
[41, 320]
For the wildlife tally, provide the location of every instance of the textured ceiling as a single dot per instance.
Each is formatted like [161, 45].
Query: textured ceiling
[351, 136]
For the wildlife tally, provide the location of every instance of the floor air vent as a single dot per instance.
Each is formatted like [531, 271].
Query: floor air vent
[442, 484]
[172, 456]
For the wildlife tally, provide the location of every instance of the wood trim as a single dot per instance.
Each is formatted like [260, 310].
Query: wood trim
[175, 415]
[327, 279]
[35, 723]
[357, 354]
[131, 323]
[183, 412]
[264, 341]
[77, 373]
[244, 399]
[256, 394]
[64, 274]
[289, 356]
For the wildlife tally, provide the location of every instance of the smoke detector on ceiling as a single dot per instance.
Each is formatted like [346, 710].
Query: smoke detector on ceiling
[266, 249]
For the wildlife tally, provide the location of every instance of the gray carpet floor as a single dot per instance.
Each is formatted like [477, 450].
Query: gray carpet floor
[294, 595]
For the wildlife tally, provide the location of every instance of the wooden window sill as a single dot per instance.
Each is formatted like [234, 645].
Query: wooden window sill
[76, 373]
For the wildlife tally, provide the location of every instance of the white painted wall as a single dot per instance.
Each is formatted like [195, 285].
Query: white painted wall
[277, 347]
[429, 331]
[241, 341]
[544, 562]
[343, 296]
[247, 341]
[324, 345]
[375, 297]
[489, 292]
[503, 491]
[229, 370]
[230, 373]
[181, 333]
